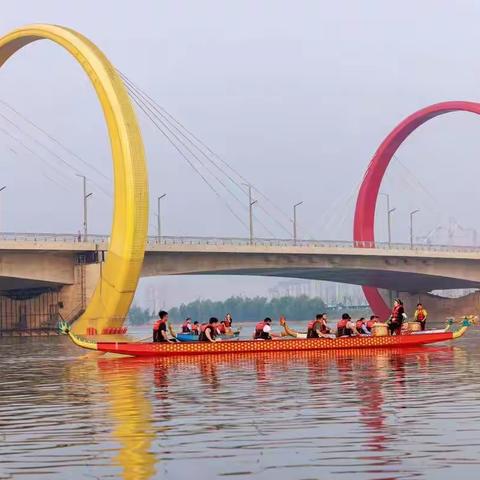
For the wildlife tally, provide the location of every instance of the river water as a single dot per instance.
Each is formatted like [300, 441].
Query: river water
[364, 415]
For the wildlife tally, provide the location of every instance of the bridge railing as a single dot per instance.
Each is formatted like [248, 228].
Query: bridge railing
[101, 242]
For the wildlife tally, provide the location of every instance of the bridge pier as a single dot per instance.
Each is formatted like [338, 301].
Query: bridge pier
[36, 310]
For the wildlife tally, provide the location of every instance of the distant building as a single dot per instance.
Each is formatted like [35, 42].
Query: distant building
[330, 292]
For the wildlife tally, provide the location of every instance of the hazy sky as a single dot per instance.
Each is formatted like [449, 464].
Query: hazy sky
[296, 96]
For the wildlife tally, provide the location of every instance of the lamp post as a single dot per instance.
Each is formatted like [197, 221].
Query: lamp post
[295, 222]
[251, 203]
[412, 213]
[85, 206]
[2, 189]
[159, 220]
[389, 213]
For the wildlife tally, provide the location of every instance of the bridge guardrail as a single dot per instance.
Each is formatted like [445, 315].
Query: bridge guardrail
[102, 242]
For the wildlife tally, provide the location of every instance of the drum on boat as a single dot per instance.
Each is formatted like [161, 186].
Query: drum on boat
[412, 326]
[380, 330]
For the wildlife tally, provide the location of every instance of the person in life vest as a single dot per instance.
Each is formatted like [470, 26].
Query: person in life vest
[187, 325]
[361, 326]
[228, 320]
[345, 326]
[263, 330]
[396, 318]
[318, 328]
[370, 323]
[196, 328]
[421, 315]
[208, 332]
[160, 327]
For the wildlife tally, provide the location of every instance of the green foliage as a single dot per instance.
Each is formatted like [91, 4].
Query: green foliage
[139, 316]
[250, 309]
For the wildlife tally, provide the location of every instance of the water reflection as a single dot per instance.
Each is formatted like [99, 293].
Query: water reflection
[372, 414]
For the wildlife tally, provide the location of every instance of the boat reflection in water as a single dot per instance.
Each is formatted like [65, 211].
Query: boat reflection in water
[195, 396]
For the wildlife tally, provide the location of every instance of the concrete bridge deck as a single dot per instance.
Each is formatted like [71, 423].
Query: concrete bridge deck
[46, 258]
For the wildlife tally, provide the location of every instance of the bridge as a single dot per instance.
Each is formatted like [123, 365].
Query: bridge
[42, 265]
[92, 283]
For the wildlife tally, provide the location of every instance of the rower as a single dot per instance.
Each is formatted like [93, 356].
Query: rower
[263, 330]
[361, 326]
[187, 325]
[318, 328]
[160, 327]
[370, 323]
[345, 326]
[228, 320]
[208, 332]
[196, 328]
[421, 315]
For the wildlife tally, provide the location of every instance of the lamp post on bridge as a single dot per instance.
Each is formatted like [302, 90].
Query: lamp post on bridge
[295, 221]
[159, 220]
[251, 203]
[1, 190]
[86, 196]
[412, 213]
[389, 213]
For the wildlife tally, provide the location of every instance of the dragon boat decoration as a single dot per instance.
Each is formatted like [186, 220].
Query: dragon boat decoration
[289, 343]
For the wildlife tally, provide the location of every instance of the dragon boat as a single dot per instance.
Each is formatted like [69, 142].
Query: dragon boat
[164, 349]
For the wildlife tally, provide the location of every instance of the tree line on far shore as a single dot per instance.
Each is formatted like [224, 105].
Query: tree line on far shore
[242, 309]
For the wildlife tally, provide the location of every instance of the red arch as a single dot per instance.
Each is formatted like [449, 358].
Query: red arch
[364, 221]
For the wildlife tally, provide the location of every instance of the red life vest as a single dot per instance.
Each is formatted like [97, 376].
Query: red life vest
[421, 315]
[185, 326]
[342, 323]
[370, 324]
[259, 329]
[157, 324]
[396, 311]
[221, 328]
[227, 323]
[203, 332]
[195, 328]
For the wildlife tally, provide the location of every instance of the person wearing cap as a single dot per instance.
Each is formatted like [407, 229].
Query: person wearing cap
[263, 330]
[396, 318]
[345, 326]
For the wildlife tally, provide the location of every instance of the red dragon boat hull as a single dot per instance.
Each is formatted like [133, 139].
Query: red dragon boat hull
[257, 346]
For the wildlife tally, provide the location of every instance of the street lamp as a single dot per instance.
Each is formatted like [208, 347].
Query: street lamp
[412, 213]
[3, 188]
[251, 203]
[85, 206]
[159, 225]
[295, 222]
[389, 213]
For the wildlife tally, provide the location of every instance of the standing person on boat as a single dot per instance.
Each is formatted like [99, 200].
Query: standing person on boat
[160, 327]
[187, 325]
[263, 330]
[370, 323]
[396, 318]
[361, 326]
[421, 315]
[208, 332]
[318, 328]
[345, 326]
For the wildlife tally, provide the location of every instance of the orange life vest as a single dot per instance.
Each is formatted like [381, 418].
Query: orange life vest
[421, 315]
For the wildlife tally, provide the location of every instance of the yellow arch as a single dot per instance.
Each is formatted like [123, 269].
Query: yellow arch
[121, 270]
